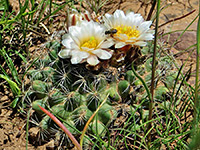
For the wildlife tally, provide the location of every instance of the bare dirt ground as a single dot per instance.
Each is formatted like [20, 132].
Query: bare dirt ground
[12, 125]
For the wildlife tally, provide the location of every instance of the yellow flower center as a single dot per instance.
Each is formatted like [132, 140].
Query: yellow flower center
[128, 30]
[91, 43]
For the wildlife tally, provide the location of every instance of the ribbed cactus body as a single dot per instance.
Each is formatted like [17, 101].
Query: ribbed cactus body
[41, 102]
[113, 93]
[80, 116]
[48, 73]
[60, 111]
[107, 113]
[56, 97]
[74, 100]
[40, 88]
[98, 128]
[74, 92]
[93, 101]
[124, 88]
[130, 77]
[101, 84]
[35, 74]
[70, 125]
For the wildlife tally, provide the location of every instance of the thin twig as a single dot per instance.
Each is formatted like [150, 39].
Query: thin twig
[196, 101]
[175, 19]
[151, 10]
[149, 126]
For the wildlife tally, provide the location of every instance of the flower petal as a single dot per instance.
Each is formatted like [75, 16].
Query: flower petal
[92, 60]
[120, 44]
[87, 32]
[76, 59]
[144, 26]
[102, 54]
[119, 14]
[82, 54]
[140, 43]
[106, 44]
[121, 37]
[147, 36]
[65, 53]
[67, 42]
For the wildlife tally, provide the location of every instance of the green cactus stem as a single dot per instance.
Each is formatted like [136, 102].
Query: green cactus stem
[40, 88]
[98, 128]
[73, 100]
[107, 113]
[41, 102]
[62, 127]
[130, 77]
[45, 123]
[35, 74]
[60, 111]
[93, 101]
[113, 93]
[47, 73]
[80, 116]
[100, 83]
[68, 123]
[56, 97]
[123, 88]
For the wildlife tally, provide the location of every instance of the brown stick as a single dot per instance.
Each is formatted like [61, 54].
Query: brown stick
[177, 18]
[151, 10]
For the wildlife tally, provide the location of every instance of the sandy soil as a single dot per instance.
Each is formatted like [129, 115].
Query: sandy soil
[12, 126]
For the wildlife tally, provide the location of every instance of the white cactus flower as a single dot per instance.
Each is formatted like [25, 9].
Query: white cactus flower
[86, 42]
[131, 28]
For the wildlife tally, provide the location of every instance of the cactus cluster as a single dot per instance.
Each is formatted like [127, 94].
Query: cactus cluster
[73, 93]
[72, 87]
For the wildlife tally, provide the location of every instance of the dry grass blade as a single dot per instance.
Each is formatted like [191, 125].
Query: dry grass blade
[62, 127]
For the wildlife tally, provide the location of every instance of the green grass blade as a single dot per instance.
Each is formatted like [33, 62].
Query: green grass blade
[42, 9]
[14, 87]
[27, 127]
[185, 30]
[54, 12]
[21, 56]
[30, 67]
[143, 82]
[1, 39]
[14, 102]
[11, 66]
[197, 74]
[4, 72]
[90, 119]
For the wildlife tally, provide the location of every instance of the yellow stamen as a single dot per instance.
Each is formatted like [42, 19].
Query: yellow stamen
[128, 30]
[91, 43]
